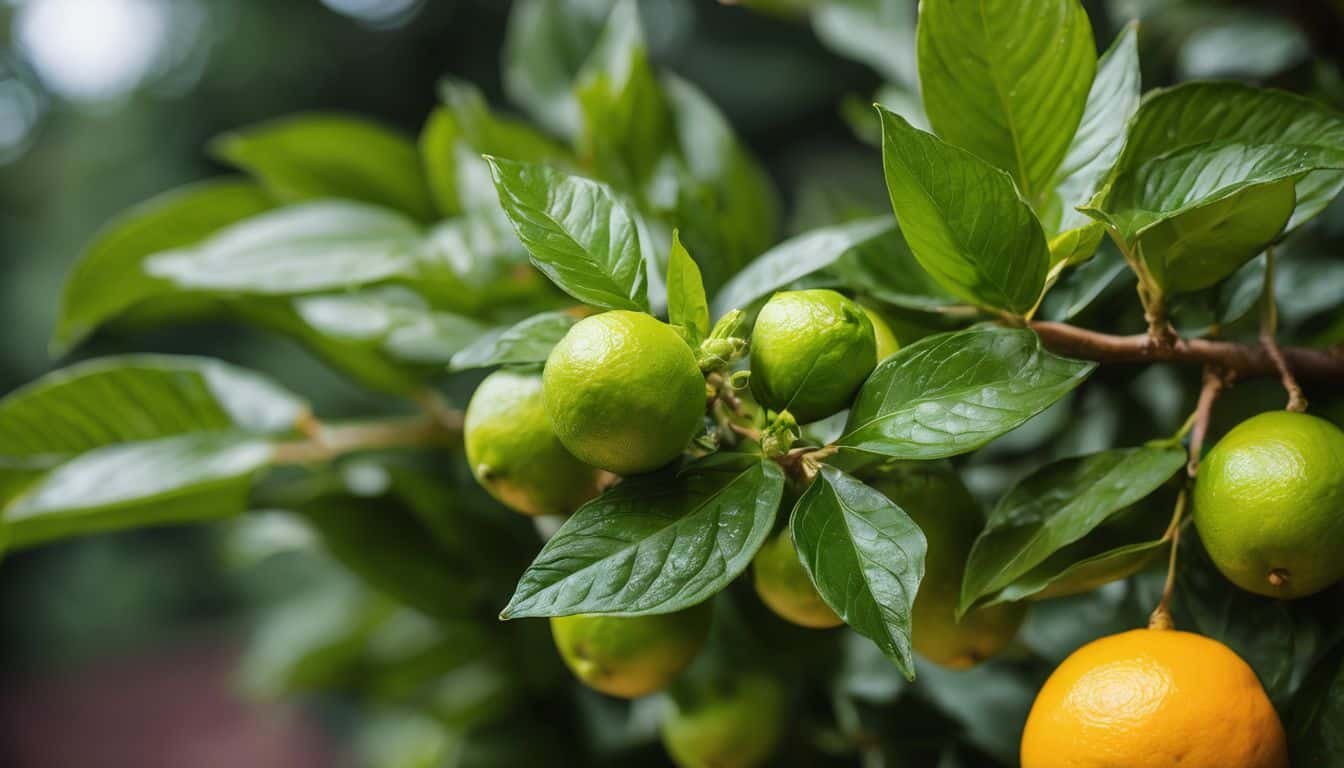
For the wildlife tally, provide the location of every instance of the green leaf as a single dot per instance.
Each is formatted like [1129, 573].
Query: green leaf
[109, 280]
[687, 305]
[136, 440]
[577, 231]
[1075, 246]
[1197, 113]
[1078, 289]
[544, 49]
[801, 256]
[1316, 729]
[458, 133]
[309, 156]
[175, 479]
[954, 392]
[865, 556]
[527, 342]
[395, 321]
[1111, 102]
[1057, 506]
[1007, 80]
[963, 219]
[306, 248]
[627, 123]
[885, 269]
[653, 544]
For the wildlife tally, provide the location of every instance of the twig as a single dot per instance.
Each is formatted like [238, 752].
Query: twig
[1161, 615]
[1269, 329]
[1242, 360]
[1215, 382]
[338, 440]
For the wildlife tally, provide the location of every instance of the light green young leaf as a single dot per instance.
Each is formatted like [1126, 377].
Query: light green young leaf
[310, 156]
[527, 342]
[1111, 102]
[1007, 80]
[865, 556]
[879, 33]
[109, 279]
[1057, 506]
[687, 306]
[654, 543]
[963, 219]
[577, 231]
[951, 393]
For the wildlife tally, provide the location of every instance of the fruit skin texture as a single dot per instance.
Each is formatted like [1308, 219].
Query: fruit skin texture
[935, 498]
[515, 455]
[887, 343]
[624, 392]
[631, 656]
[810, 352]
[1270, 500]
[735, 728]
[785, 587]
[1153, 699]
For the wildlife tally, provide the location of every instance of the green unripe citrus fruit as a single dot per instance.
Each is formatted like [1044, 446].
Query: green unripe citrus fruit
[935, 498]
[887, 343]
[1269, 504]
[624, 392]
[736, 726]
[514, 453]
[785, 587]
[631, 656]
[810, 352]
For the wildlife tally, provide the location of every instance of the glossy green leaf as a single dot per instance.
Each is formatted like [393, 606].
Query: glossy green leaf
[879, 33]
[174, 479]
[653, 544]
[803, 255]
[1233, 113]
[1007, 80]
[963, 219]
[109, 278]
[1077, 290]
[304, 248]
[627, 123]
[687, 306]
[1057, 506]
[954, 392]
[885, 269]
[137, 440]
[527, 342]
[577, 231]
[310, 156]
[865, 556]
[1111, 102]
[395, 321]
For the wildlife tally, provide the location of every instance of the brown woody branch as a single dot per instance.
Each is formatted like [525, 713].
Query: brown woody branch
[1238, 359]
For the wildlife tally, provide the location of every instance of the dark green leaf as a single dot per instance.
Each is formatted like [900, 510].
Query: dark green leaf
[1007, 81]
[305, 157]
[305, 248]
[1111, 102]
[527, 342]
[109, 278]
[577, 231]
[1078, 289]
[687, 306]
[1316, 730]
[865, 556]
[885, 269]
[963, 219]
[653, 544]
[954, 392]
[1057, 506]
[803, 255]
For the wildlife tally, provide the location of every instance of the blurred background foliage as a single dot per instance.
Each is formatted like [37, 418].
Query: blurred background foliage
[104, 103]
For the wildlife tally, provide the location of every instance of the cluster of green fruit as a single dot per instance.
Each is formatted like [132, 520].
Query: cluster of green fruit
[623, 394]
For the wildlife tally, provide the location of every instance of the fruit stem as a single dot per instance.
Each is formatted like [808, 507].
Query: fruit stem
[1161, 615]
[1269, 329]
[327, 442]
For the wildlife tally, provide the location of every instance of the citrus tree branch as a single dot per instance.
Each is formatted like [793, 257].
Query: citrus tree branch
[328, 442]
[1269, 329]
[1238, 359]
